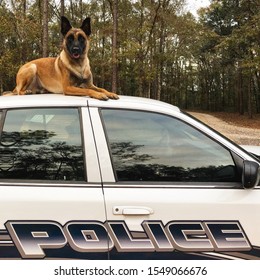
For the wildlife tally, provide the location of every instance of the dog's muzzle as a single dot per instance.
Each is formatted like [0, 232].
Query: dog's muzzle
[76, 52]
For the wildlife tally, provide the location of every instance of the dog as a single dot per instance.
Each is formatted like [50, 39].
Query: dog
[68, 74]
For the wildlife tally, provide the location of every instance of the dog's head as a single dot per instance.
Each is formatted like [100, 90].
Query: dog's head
[76, 40]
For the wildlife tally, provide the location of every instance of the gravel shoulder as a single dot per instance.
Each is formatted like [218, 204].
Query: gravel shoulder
[239, 134]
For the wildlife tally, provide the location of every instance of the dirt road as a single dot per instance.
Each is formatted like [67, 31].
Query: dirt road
[240, 135]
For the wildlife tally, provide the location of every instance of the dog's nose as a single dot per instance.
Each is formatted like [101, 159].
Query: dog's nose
[75, 49]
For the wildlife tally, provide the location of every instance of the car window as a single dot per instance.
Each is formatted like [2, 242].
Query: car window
[154, 147]
[42, 144]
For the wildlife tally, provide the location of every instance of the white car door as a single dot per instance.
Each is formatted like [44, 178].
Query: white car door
[50, 190]
[173, 191]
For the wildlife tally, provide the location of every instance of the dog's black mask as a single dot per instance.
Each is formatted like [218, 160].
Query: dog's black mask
[76, 45]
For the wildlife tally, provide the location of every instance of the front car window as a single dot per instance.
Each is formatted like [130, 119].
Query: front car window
[42, 144]
[148, 146]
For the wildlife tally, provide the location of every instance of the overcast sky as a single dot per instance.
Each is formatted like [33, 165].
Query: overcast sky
[194, 5]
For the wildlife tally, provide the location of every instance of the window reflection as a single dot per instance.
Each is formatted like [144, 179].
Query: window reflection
[42, 144]
[154, 147]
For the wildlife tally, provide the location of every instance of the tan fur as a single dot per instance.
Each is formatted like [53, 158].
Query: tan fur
[63, 75]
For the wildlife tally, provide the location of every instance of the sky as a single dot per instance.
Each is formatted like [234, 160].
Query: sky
[194, 5]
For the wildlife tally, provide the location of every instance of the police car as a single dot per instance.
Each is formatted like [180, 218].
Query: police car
[127, 179]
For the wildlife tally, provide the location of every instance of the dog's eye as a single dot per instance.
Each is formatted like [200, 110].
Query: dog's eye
[70, 38]
[81, 39]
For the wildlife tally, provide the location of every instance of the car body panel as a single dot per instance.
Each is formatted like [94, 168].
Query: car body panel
[103, 217]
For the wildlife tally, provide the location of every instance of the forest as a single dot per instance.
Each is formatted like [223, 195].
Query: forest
[148, 48]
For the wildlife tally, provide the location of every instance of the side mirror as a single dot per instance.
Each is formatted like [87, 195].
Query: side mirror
[251, 174]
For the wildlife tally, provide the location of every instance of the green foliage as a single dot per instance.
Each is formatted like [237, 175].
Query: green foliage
[235, 52]
[207, 63]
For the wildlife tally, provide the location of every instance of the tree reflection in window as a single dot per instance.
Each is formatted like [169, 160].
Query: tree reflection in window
[154, 147]
[43, 144]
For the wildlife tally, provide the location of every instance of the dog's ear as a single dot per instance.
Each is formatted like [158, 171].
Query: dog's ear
[86, 26]
[65, 26]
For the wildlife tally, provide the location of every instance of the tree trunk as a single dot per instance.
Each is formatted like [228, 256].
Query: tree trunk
[45, 40]
[114, 45]
[240, 93]
[62, 8]
[81, 10]
[71, 10]
[160, 63]
[103, 43]
[62, 13]
[256, 83]
[249, 99]
[24, 8]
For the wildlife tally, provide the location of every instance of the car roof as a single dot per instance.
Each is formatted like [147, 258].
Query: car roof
[41, 100]
[133, 102]
[45, 100]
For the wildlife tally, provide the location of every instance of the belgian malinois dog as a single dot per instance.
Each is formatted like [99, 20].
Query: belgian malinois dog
[69, 73]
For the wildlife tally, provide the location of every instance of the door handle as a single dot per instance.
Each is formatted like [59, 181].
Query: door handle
[132, 210]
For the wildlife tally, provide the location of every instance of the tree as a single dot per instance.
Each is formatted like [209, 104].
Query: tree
[114, 9]
[45, 34]
[237, 48]
[148, 48]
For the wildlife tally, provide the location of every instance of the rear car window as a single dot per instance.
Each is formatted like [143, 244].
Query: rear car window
[42, 144]
[147, 146]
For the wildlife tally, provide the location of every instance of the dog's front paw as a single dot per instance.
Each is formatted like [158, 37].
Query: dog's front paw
[28, 92]
[112, 95]
[100, 96]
